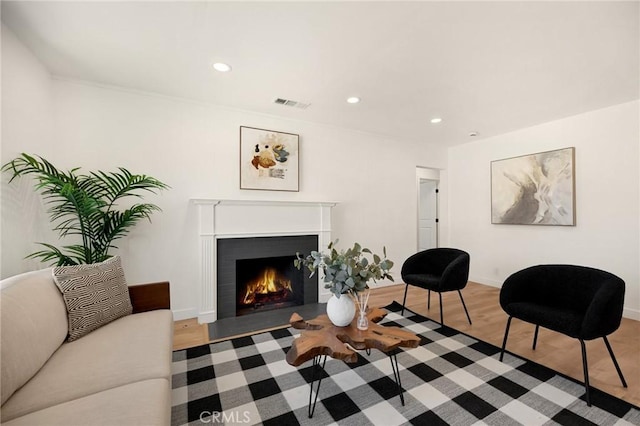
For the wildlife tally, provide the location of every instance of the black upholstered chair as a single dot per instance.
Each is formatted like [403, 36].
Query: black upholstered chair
[439, 270]
[580, 302]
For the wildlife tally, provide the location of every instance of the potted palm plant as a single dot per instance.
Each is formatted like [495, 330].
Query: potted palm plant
[85, 206]
[346, 273]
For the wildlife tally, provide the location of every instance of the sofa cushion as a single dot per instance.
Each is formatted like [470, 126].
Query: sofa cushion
[33, 326]
[95, 295]
[124, 405]
[131, 349]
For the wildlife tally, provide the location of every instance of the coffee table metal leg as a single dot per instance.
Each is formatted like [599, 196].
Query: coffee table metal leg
[396, 374]
[316, 369]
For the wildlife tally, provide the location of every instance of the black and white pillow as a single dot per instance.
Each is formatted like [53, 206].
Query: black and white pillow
[94, 294]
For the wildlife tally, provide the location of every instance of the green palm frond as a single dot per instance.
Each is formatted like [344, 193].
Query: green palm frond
[86, 206]
[124, 184]
[52, 253]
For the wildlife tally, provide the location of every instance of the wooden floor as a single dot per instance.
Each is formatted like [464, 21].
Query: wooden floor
[554, 350]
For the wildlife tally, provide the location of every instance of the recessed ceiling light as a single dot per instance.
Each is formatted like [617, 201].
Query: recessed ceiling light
[436, 120]
[222, 67]
[353, 100]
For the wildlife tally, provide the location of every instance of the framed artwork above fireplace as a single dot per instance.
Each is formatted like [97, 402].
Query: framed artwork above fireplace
[268, 160]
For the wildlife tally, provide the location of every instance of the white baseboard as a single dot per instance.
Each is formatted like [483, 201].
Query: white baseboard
[486, 281]
[633, 314]
[182, 314]
[207, 317]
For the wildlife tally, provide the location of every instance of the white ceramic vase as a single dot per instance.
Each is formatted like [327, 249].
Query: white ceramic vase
[341, 310]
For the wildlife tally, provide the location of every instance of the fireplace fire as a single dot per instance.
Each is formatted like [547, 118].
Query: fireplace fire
[270, 287]
[267, 283]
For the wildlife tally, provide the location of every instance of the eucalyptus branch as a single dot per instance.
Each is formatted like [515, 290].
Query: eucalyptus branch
[346, 271]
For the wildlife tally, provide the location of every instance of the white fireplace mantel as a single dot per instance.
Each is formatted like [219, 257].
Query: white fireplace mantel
[253, 218]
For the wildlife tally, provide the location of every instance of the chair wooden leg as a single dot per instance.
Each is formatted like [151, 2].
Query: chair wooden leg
[465, 307]
[615, 363]
[404, 300]
[586, 372]
[428, 299]
[504, 341]
[535, 337]
[441, 316]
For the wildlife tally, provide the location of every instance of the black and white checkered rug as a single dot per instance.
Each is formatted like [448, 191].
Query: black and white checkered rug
[451, 378]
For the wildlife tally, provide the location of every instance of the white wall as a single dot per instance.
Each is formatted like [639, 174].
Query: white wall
[27, 120]
[194, 148]
[607, 234]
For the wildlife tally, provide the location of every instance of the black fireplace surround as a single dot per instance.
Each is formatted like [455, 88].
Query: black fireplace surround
[232, 250]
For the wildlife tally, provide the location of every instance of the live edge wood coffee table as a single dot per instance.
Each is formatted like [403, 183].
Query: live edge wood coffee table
[321, 338]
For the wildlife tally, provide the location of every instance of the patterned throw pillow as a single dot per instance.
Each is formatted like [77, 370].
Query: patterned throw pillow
[94, 294]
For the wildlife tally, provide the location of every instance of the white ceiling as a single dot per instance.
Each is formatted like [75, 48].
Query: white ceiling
[489, 67]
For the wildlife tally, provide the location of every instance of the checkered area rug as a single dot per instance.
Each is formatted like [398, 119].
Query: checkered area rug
[451, 378]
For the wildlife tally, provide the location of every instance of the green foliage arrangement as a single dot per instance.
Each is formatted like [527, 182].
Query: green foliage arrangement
[86, 206]
[347, 271]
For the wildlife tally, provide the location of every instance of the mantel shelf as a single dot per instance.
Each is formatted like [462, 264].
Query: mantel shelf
[229, 202]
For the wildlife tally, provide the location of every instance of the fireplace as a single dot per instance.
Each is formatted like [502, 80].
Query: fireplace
[267, 283]
[221, 220]
[257, 274]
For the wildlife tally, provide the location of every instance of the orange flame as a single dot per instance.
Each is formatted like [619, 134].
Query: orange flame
[270, 282]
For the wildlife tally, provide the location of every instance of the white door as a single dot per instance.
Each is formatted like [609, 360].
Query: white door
[427, 214]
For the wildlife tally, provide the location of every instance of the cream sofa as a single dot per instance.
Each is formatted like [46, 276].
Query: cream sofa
[119, 374]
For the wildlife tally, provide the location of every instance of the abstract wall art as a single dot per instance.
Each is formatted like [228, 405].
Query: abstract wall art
[534, 189]
[268, 160]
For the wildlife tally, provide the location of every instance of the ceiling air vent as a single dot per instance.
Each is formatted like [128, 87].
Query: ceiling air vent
[290, 103]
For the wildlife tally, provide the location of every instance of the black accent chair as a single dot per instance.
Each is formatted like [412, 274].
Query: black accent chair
[580, 302]
[439, 270]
